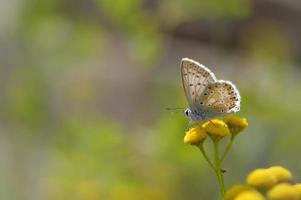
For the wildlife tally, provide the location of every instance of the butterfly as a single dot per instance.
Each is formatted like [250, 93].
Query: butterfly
[207, 97]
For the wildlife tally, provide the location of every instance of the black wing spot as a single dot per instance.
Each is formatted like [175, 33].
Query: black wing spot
[190, 84]
[201, 103]
[205, 94]
[199, 83]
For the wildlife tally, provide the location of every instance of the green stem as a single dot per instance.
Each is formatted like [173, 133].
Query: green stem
[201, 147]
[227, 150]
[218, 170]
[223, 182]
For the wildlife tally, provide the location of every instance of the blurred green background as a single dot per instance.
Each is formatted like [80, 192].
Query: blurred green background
[85, 83]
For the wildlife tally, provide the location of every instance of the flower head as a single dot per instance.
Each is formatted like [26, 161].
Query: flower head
[298, 187]
[281, 174]
[249, 195]
[216, 128]
[283, 191]
[261, 178]
[236, 124]
[235, 190]
[195, 135]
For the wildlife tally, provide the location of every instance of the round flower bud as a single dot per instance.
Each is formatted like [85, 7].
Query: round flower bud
[281, 174]
[298, 187]
[235, 190]
[216, 128]
[261, 178]
[236, 124]
[249, 195]
[195, 135]
[283, 191]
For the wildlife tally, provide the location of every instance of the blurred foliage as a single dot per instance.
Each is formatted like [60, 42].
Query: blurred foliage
[84, 86]
[176, 12]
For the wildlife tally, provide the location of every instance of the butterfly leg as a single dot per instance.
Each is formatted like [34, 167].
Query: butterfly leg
[213, 123]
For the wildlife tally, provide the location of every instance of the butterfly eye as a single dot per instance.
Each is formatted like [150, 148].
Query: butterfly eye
[186, 112]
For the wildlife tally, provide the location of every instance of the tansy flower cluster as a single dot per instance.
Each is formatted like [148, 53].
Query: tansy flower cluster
[274, 183]
[216, 130]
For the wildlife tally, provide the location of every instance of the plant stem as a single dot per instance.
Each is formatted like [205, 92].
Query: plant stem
[227, 150]
[201, 147]
[218, 171]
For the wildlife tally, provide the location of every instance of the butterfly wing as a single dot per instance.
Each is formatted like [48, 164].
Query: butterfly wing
[219, 98]
[195, 79]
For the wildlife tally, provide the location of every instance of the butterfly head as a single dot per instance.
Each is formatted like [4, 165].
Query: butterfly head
[194, 116]
[187, 112]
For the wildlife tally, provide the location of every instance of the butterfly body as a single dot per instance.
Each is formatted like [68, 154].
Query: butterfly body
[207, 97]
[195, 115]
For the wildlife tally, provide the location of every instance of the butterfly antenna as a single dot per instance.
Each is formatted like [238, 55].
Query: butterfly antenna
[175, 109]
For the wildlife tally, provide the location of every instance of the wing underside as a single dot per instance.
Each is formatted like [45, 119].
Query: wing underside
[195, 78]
[219, 98]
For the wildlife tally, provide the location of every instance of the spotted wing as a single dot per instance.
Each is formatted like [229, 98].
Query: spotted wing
[219, 98]
[195, 78]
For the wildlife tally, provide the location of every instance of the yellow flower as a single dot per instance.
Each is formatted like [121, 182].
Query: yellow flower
[195, 135]
[281, 174]
[283, 191]
[216, 128]
[249, 195]
[298, 187]
[261, 178]
[236, 124]
[235, 190]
